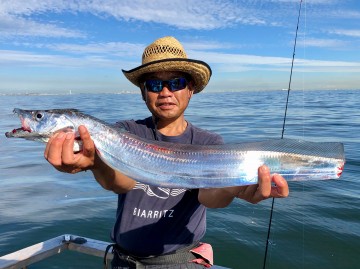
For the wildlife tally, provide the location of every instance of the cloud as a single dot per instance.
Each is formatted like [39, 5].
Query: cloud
[121, 49]
[209, 45]
[20, 17]
[16, 19]
[114, 55]
[227, 62]
[345, 32]
[344, 13]
[22, 59]
[324, 43]
[188, 14]
[17, 26]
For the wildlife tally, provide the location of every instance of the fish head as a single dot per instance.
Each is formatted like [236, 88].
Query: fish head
[42, 124]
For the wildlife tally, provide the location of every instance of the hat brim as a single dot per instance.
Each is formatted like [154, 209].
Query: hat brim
[198, 70]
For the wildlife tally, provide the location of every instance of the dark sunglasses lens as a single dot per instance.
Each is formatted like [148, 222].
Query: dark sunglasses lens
[177, 84]
[153, 85]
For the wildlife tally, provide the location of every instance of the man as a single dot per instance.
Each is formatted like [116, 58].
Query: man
[158, 226]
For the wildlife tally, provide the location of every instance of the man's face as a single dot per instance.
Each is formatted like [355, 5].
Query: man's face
[167, 104]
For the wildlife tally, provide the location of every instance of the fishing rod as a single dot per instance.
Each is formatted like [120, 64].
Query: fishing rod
[283, 130]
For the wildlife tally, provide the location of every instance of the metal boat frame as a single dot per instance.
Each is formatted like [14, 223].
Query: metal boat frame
[24, 257]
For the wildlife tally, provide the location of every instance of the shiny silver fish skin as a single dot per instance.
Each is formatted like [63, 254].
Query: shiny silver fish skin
[188, 166]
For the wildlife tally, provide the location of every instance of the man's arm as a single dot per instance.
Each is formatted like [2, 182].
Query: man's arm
[222, 197]
[111, 179]
[59, 153]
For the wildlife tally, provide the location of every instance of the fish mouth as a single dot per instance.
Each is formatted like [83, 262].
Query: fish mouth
[27, 134]
[23, 131]
[18, 132]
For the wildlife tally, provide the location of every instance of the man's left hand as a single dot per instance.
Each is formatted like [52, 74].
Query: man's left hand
[265, 187]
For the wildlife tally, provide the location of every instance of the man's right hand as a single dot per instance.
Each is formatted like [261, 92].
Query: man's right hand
[59, 152]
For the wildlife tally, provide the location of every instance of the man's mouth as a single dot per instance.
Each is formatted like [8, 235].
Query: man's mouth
[166, 105]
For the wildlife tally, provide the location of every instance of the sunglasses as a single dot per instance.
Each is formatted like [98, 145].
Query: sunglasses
[156, 85]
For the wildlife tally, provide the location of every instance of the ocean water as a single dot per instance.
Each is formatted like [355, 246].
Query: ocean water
[317, 226]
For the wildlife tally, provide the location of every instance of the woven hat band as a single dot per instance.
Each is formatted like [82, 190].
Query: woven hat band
[155, 52]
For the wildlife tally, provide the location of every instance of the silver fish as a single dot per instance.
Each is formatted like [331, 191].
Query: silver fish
[188, 166]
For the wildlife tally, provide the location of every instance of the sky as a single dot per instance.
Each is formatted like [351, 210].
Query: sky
[58, 46]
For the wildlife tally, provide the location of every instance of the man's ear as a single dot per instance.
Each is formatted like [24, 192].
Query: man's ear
[191, 89]
[143, 95]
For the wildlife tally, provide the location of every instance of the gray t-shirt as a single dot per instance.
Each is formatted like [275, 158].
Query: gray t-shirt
[153, 220]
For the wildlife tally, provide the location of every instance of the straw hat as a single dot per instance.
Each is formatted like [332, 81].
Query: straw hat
[167, 54]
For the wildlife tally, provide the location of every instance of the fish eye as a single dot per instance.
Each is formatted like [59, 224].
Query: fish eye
[38, 116]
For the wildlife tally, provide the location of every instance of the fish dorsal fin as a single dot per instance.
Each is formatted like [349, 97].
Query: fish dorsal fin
[63, 110]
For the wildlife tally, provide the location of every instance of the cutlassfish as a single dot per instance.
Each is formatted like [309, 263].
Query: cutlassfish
[188, 166]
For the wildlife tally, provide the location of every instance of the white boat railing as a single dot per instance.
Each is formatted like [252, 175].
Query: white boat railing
[35, 253]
